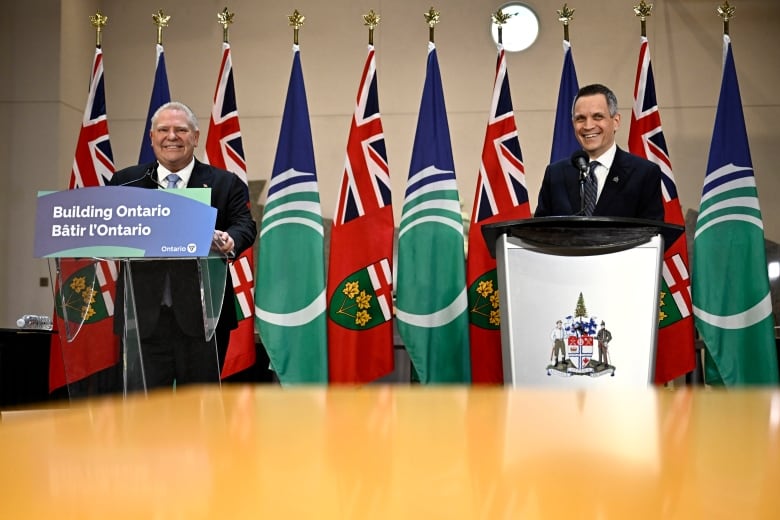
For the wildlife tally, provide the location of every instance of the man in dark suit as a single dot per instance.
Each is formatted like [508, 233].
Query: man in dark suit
[167, 292]
[628, 186]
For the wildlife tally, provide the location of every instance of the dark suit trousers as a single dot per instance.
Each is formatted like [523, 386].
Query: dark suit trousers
[171, 355]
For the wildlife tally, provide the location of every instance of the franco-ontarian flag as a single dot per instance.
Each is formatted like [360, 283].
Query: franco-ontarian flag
[290, 280]
[431, 295]
[731, 297]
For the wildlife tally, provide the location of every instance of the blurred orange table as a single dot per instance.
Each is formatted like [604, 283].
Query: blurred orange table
[397, 452]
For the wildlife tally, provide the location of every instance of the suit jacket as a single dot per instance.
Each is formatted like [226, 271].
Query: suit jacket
[632, 190]
[230, 196]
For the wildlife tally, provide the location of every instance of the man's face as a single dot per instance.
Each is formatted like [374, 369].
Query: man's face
[173, 140]
[593, 126]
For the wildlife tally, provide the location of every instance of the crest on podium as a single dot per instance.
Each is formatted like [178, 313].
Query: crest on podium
[576, 337]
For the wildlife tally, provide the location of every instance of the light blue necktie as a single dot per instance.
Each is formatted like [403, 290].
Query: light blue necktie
[591, 189]
[167, 299]
[172, 179]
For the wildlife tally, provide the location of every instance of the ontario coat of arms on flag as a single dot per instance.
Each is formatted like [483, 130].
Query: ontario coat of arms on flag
[364, 300]
[580, 345]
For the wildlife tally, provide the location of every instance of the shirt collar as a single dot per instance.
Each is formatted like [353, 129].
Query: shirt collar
[185, 173]
[607, 157]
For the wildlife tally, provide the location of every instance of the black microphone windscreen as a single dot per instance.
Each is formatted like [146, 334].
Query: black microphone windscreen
[579, 159]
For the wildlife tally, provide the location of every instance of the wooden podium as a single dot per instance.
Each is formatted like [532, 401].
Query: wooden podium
[600, 278]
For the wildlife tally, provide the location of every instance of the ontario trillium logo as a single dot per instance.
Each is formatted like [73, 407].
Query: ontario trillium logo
[484, 310]
[363, 299]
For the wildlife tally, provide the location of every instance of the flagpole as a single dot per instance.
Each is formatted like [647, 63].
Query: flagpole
[565, 16]
[371, 20]
[98, 21]
[726, 12]
[643, 12]
[161, 20]
[225, 18]
[499, 19]
[296, 22]
[431, 18]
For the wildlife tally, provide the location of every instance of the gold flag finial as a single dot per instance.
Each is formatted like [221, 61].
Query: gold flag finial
[98, 21]
[499, 19]
[371, 20]
[296, 22]
[726, 12]
[161, 20]
[431, 18]
[565, 16]
[225, 18]
[643, 11]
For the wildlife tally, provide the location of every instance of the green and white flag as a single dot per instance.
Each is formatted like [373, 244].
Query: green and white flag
[731, 298]
[290, 281]
[431, 298]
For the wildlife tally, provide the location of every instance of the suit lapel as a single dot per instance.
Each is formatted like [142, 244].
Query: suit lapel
[618, 175]
[201, 176]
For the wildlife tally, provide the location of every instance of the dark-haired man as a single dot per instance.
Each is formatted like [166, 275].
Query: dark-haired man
[625, 185]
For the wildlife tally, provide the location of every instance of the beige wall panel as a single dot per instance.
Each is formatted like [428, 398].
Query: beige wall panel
[43, 88]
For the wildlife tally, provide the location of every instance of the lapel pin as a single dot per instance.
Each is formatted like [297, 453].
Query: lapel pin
[615, 179]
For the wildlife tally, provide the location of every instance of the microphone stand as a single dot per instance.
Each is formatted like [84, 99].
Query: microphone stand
[148, 174]
[583, 178]
[151, 172]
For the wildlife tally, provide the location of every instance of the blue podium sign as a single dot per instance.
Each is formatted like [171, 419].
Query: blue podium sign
[124, 222]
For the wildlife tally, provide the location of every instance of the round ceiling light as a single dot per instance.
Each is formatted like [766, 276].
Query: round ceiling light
[520, 30]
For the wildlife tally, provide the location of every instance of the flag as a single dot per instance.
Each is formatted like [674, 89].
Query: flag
[290, 281]
[732, 303]
[676, 354]
[360, 282]
[431, 295]
[87, 287]
[225, 149]
[500, 194]
[564, 142]
[160, 95]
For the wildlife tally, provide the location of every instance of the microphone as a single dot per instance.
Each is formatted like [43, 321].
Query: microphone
[580, 160]
[149, 173]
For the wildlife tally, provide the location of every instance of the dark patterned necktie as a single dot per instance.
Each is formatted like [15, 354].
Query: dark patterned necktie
[591, 189]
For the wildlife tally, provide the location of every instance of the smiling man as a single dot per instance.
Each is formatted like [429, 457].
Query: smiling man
[625, 185]
[167, 297]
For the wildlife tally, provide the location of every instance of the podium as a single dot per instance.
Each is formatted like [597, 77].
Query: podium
[116, 356]
[600, 277]
[109, 250]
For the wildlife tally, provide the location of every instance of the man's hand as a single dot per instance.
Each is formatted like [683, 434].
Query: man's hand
[223, 243]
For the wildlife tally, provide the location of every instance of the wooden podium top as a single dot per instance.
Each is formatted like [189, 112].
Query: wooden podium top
[397, 452]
